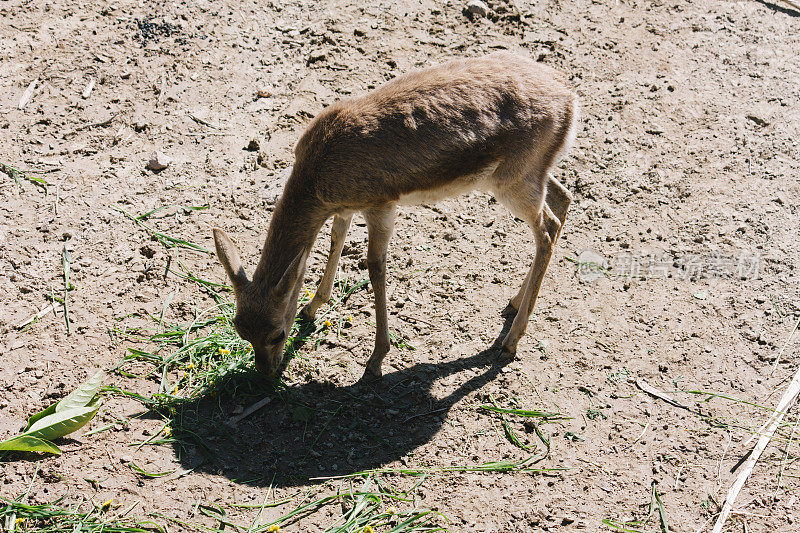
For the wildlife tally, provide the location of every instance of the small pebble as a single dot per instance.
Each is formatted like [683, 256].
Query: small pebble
[476, 7]
[158, 161]
[319, 55]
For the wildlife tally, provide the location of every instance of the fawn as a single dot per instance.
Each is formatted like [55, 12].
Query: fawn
[496, 123]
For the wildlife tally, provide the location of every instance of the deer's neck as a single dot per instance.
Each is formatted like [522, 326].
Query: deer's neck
[295, 223]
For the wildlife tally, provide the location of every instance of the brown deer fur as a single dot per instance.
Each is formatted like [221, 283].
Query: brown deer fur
[496, 123]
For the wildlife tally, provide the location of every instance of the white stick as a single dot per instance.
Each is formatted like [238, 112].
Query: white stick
[36, 316]
[250, 410]
[88, 90]
[27, 95]
[774, 366]
[788, 397]
[652, 391]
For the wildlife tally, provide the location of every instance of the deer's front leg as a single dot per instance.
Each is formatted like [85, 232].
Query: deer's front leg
[380, 224]
[341, 223]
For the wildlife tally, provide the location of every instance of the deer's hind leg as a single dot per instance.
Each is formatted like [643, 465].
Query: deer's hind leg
[542, 202]
[558, 199]
[341, 223]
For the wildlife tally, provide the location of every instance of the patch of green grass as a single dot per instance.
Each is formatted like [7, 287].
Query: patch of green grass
[374, 507]
[543, 415]
[84, 517]
[592, 414]
[522, 465]
[635, 526]
[201, 357]
[19, 177]
[535, 417]
[186, 209]
[167, 240]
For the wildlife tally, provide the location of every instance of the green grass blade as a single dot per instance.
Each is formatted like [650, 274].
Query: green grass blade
[544, 415]
[139, 470]
[167, 240]
[18, 176]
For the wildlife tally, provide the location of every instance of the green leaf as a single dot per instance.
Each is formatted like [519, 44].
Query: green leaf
[60, 424]
[28, 443]
[83, 396]
[41, 414]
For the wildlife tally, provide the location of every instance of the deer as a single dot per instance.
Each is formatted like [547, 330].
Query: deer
[496, 123]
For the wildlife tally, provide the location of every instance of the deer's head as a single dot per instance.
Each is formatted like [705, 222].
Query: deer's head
[264, 312]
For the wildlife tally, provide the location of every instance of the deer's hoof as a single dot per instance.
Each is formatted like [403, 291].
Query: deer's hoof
[510, 310]
[307, 314]
[506, 355]
[371, 375]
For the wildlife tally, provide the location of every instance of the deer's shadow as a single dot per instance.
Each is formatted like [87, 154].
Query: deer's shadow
[318, 429]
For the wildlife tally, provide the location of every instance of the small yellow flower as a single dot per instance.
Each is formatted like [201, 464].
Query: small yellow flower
[274, 527]
[368, 529]
[175, 390]
[190, 366]
[107, 504]
[391, 511]
[309, 293]
[20, 520]
[167, 431]
[327, 323]
[350, 318]
[224, 351]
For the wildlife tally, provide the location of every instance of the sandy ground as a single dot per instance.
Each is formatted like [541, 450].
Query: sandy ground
[685, 175]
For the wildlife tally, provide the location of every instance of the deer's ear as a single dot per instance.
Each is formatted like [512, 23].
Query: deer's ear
[229, 257]
[291, 276]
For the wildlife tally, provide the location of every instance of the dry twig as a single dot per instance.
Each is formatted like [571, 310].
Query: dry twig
[772, 425]
[652, 391]
[37, 316]
[250, 410]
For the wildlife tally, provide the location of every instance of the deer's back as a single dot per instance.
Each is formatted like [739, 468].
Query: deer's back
[426, 129]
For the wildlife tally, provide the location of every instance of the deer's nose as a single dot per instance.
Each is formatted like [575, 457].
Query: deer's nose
[261, 360]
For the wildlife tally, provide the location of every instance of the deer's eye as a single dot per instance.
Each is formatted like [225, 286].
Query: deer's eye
[277, 339]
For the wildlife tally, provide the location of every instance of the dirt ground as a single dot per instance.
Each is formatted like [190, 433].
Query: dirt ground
[685, 176]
